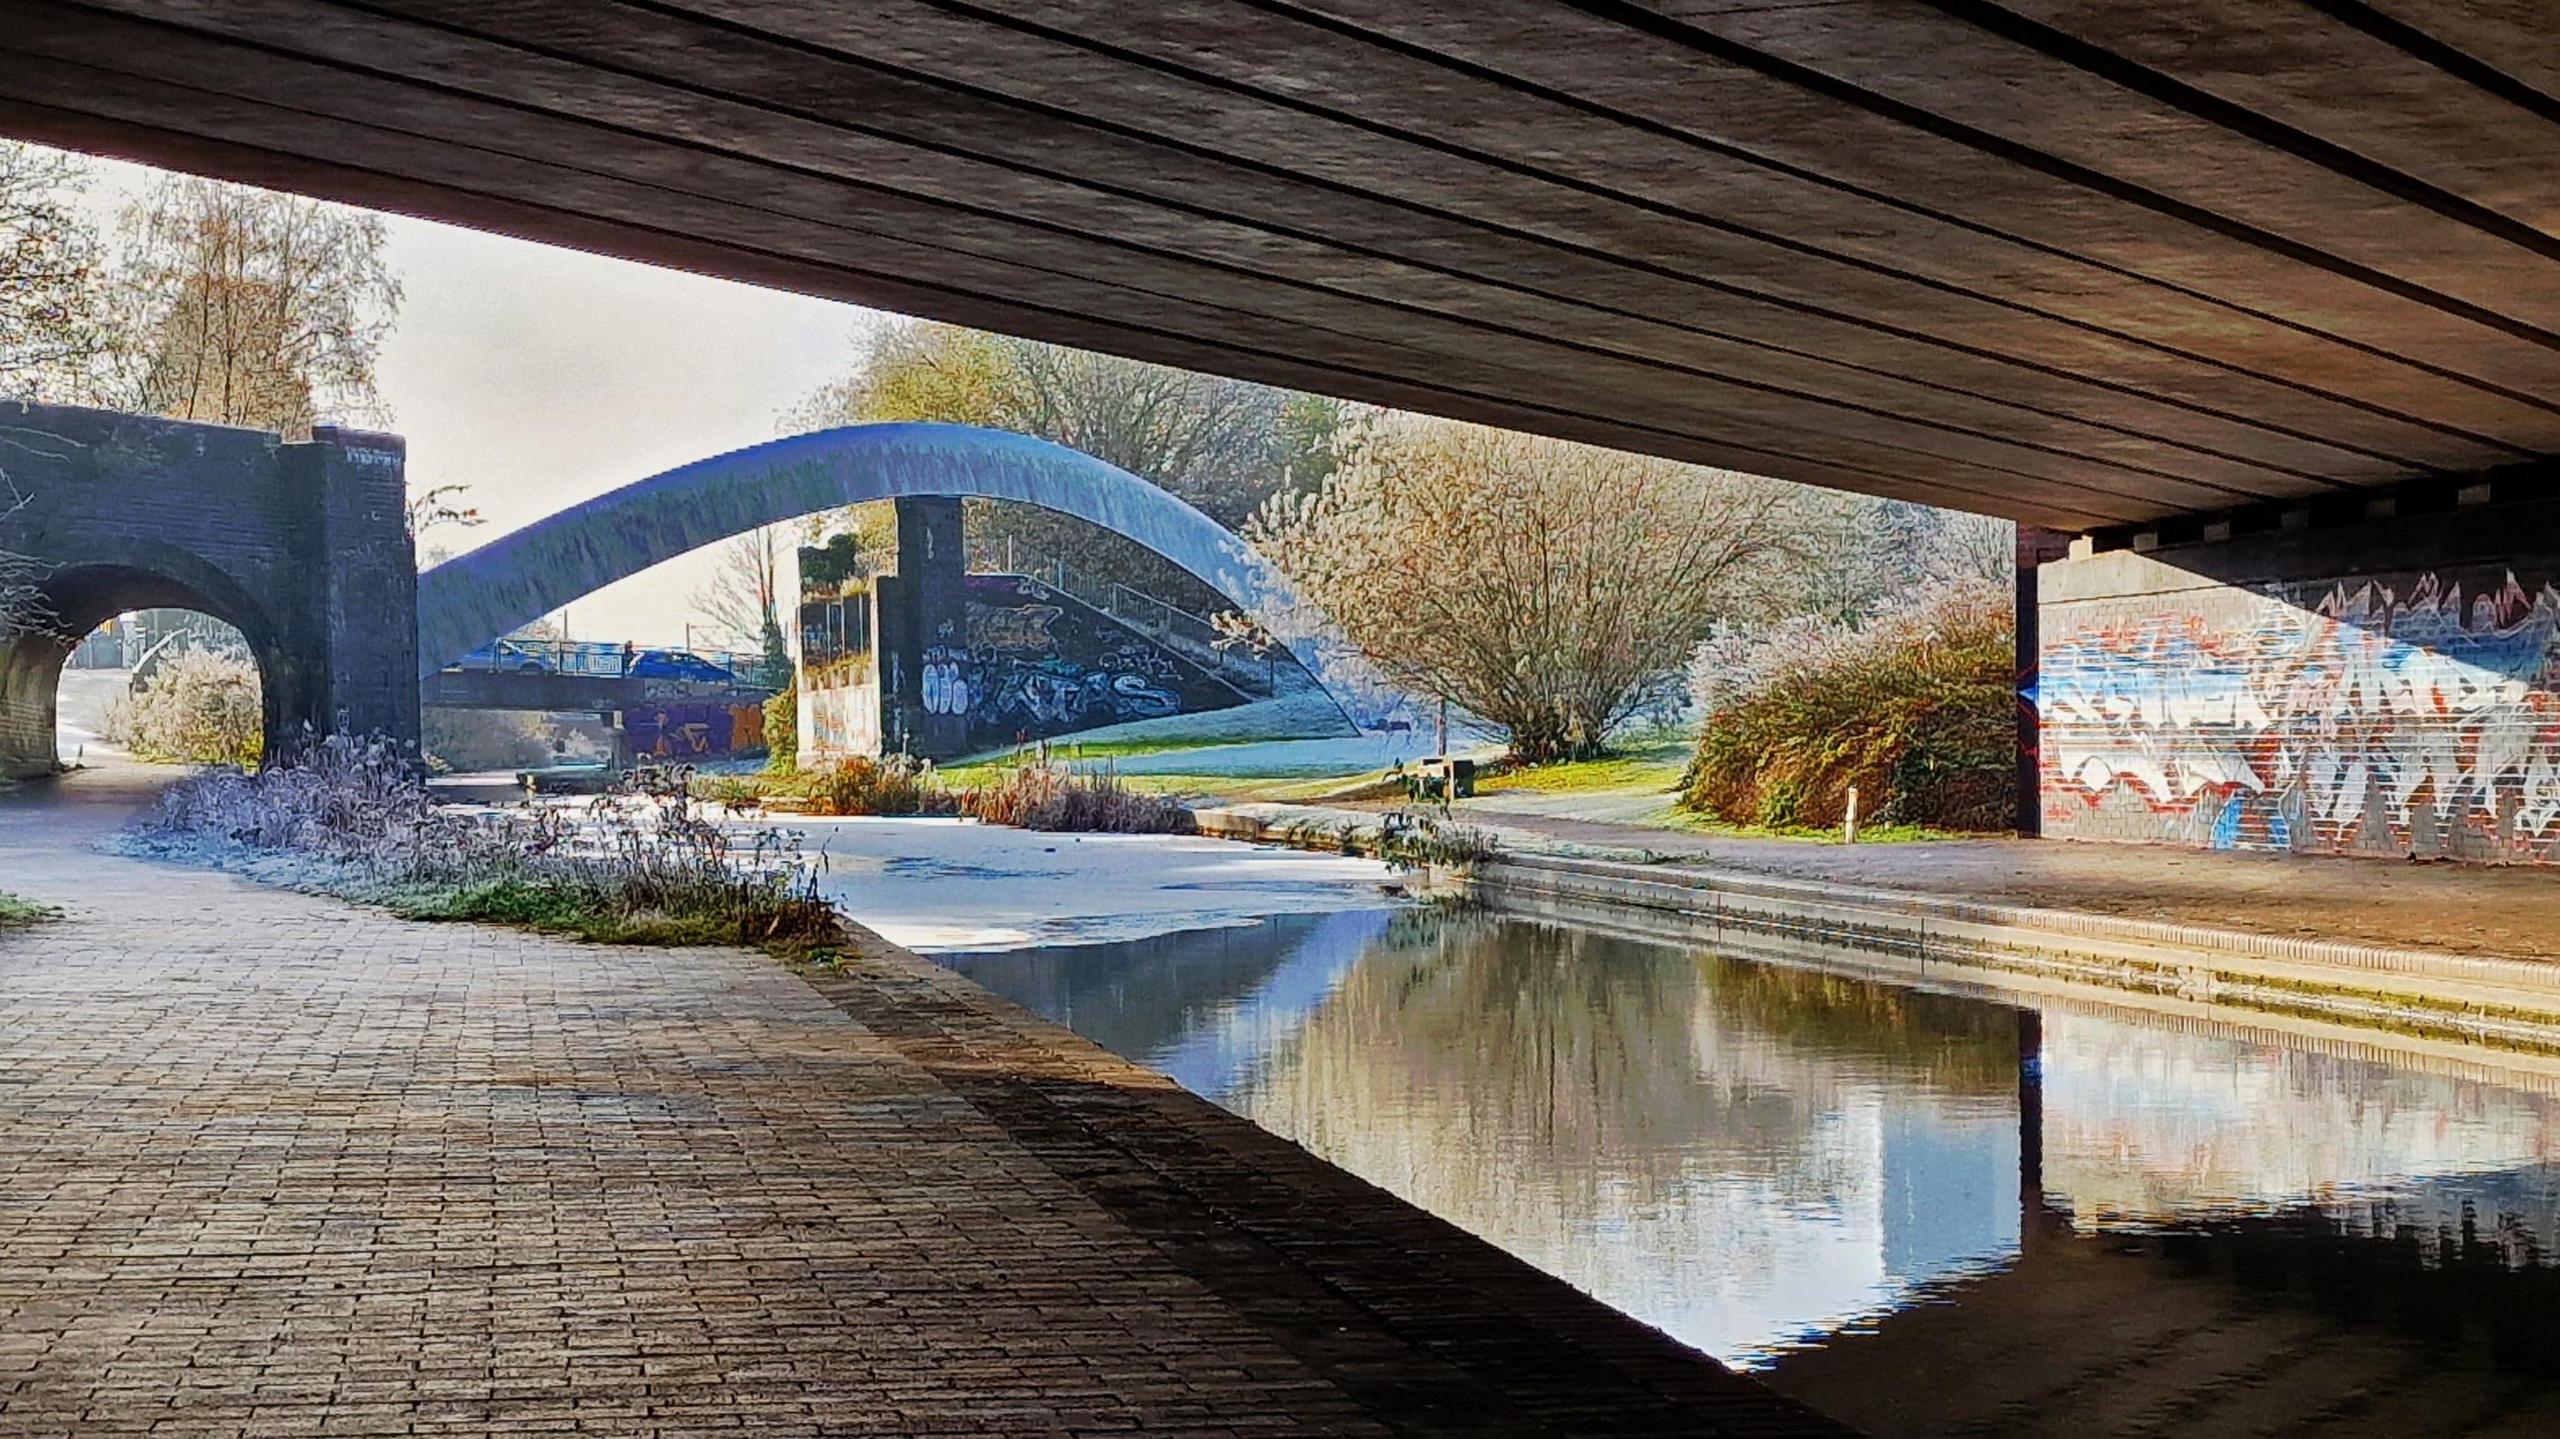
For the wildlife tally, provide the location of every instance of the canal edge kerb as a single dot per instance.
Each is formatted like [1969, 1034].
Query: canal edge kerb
[2511, 1003]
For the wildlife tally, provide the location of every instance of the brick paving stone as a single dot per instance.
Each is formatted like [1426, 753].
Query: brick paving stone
[275, 1165]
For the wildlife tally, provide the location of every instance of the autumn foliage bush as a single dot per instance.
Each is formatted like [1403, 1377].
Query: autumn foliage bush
[861, 785]
[1914, 708]
[1058, 797]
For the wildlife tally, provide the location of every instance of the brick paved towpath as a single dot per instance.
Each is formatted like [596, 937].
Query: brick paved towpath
[274, 1165]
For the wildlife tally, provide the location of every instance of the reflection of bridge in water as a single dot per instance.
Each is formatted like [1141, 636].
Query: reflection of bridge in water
[1925, 1212]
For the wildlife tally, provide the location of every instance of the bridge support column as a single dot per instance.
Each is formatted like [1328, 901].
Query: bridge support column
[925, 623]
[2374, 677]
[364, 631]
[2035, 547]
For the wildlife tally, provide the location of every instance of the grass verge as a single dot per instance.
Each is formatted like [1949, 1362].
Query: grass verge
[1653, 770]
[16, 913]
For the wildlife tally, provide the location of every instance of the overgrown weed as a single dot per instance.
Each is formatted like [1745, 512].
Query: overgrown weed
[16, 913]
[1423, 839]
[1063, 797]
[640, 864]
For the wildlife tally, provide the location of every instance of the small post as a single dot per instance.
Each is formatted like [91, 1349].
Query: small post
[1849, 825]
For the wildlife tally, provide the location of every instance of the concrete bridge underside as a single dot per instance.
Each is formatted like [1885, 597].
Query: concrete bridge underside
[2086, 264]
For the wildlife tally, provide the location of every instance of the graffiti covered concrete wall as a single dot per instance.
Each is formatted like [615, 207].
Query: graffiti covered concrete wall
[2375, 712]
[1033, 663]
[694, 729]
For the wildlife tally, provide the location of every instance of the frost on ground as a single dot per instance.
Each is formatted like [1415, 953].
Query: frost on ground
[1291, 716]
[641, 864]
[947, 884]
[1280, 759]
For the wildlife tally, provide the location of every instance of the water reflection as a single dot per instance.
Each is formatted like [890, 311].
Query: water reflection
[1998, 1210]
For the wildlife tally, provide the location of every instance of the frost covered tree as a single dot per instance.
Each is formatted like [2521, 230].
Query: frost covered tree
[248, 307]
[54, 314]
[1549, 588]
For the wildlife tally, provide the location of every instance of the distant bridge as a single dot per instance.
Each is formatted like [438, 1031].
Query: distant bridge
[303, 548]
[517, 578]
[596, 676]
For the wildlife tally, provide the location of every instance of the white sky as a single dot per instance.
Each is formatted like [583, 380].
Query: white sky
[541, 376]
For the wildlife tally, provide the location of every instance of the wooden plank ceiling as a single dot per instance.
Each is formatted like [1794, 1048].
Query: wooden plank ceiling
[2080, 262]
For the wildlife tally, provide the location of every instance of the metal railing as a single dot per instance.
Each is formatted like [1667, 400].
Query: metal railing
[601, 659]
[1178, 629]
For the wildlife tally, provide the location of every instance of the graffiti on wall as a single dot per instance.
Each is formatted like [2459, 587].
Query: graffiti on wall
[693, 729]
[2407, 716]
[839, 721]
[1034, 663]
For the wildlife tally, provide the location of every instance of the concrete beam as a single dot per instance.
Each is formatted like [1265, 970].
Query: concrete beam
[2075, 263]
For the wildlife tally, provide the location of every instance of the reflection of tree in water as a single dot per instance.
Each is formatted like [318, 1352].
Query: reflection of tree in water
[1710, 1160]
[1572, 1046]
[1962, 1046]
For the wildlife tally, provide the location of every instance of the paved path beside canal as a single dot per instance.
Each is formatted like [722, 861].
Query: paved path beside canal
[275, 1165]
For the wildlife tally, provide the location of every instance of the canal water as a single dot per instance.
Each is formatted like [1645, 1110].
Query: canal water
[1924, 1212]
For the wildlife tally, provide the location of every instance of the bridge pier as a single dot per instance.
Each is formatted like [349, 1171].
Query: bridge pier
[2364, 676]
[929, 660]
[304, 547]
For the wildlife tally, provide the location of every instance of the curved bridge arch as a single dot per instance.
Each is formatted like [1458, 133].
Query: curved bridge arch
[522, 576]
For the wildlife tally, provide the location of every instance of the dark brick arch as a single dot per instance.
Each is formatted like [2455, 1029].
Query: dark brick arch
[303, 546]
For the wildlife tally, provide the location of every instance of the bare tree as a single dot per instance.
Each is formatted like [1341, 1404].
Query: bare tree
[743, 599]
[254, 308]
[1223, 445]
[438, 506]
[54, 317]
[1550, 588]
[24, 610]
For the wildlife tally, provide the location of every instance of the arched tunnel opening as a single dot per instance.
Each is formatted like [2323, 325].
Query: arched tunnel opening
[107, 629]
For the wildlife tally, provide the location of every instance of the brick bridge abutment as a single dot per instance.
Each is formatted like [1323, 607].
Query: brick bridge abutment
[303, 546]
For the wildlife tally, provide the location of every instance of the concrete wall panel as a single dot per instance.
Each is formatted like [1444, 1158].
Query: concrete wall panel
[2391, 688]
